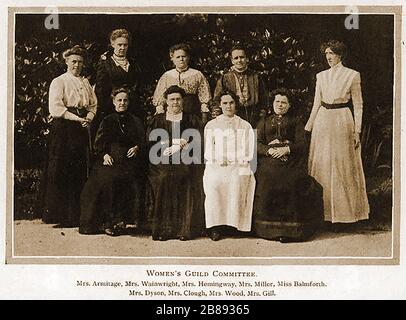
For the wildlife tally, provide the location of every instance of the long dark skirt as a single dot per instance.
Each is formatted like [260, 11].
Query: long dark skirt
[112, 195]
[198, 223]
[174, 199]
[288, 203]
[65, 172]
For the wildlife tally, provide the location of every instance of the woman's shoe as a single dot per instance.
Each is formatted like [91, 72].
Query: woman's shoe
[115, 230]
[215, 236]
[111, 232]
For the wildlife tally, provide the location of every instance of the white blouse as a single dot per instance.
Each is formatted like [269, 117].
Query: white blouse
[70, 91]
[337, 85]
[191, 80]
[228, 141]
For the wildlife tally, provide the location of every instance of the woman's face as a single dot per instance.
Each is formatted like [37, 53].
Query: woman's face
[227, 105]
[174, 102]
[180, 59]
[121, 101]
[120, 46]
[239, 60]
[75, 64]
[331, 57]
[281, 104]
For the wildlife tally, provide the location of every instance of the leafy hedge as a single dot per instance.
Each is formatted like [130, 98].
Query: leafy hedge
[26, 193]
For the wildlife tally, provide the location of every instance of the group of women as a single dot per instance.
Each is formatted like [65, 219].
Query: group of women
[107, 169]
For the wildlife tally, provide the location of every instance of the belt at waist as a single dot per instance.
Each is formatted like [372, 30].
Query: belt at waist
[80, 112]
[335, 105]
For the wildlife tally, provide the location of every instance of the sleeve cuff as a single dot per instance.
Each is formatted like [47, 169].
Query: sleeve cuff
[90, 115]
[70, 116]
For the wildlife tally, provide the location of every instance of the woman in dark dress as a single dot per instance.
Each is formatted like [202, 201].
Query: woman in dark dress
[111, 196]
[176, 188]
[72, 105]
[115, 70]
[288, 203]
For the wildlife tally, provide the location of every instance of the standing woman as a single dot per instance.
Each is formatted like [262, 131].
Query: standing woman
[115, 70]
[191, 80]
[335, 150]
[72, 105]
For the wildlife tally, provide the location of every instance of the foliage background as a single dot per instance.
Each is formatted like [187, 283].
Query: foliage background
[283, 47]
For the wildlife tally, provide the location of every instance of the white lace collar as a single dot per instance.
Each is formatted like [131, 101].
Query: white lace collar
[174, 117]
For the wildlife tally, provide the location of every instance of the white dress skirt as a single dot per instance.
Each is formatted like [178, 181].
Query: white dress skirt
[333, 160]
[229, 197]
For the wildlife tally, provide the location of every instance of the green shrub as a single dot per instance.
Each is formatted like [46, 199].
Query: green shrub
[26, 193]
[380, 202]
[280, 58]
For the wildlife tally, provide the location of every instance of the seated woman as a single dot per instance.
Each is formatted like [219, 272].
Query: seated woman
[288, 203]
[229, 183]
[175, 186]
[111, 196]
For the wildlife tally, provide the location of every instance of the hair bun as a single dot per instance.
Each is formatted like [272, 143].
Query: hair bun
[77, 50]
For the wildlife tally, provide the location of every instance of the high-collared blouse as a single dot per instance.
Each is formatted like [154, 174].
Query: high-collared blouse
[124, 66]
[191, 80]
[70, 91]
[338, 85]
[228, 140]
[248, 85]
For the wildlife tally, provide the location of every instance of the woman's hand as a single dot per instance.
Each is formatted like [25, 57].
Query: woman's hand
[132, 152]
[182, 143]
[108, 160]
[274, 141]
[278, 152]
[357, 140]
[171, 150]
[84, 122]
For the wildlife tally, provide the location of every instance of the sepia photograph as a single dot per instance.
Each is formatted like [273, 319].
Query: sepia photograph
[94, 176]
[203, 136]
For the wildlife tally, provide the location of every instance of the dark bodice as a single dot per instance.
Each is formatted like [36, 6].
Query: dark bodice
[117, 133]
[287, 129]
[110, 76]
[173, 129]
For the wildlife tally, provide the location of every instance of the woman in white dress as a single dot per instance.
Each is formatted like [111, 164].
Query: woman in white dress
[191, 80]
[335, 150]
[228, 180]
